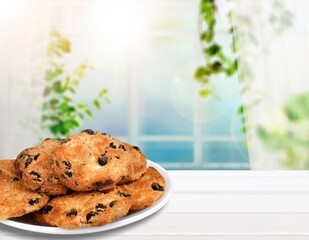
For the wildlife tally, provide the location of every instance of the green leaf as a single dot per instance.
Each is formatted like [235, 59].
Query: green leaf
[212, 50]
[75, 82]
[50, 75]
[71, 89]
[276, 141]
[103, 92]
[297, 108]
[241, 110]
[232, 68]
[66, 99]
[57, 87]
[57, 128]
[207, 36]
[64, 44]
[202, 73]
[65, 107]
[52, 117]
[89, 113]
[82, 106]
[97, 104]
[206, 92]
[81, 116]
[71, 124]
[53, 101]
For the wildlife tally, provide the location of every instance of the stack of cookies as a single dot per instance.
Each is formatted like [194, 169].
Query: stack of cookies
[88, 179]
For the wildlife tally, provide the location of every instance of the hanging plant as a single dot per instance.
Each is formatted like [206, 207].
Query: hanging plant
[217, 61]
[220, 59]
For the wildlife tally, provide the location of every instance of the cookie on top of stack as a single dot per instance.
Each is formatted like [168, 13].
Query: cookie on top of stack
[88, 179]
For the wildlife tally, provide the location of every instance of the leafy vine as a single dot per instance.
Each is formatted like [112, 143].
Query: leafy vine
[220, 60]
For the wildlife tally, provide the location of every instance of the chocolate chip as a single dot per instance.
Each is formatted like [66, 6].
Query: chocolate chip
[73, 212]
[22, 155]
[99, 185]
[106, 134]
[102, 160]
[136, 148]
[157, 187]
[89, 216]
[117, 157]
[67, 164]
[28, 161]
[89, 131]
[100, 206]
[122, 194]
[34, 201]
[15, 179]
[69, 174]
[112, 145]
[111, 204]
[47, 209]
[36, 157]
[123, 147]
[37, 176]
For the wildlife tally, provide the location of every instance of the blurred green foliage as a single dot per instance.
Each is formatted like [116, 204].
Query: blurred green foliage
[61, 114]
[217, 61]
[292, 139]
[222, 58]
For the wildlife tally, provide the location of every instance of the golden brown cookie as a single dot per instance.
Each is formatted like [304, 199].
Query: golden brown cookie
[93, 160]
[15, 199]
[35, 166]
[86, 209]
[146, 190]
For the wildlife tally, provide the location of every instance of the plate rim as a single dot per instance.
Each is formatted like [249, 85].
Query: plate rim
[137, 216]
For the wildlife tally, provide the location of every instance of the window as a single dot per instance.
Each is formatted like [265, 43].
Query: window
[154, 100]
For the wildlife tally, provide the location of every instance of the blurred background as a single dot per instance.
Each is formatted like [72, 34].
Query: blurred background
[196, 84]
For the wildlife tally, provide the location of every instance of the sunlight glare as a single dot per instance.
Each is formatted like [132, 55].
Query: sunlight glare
[123, 24]
[120, 24]
[8, 7]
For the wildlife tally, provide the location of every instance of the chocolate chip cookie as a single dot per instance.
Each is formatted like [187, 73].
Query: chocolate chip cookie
[146, 190]
[35, 166]
[85, 209]
[93, 160]
[15, 199]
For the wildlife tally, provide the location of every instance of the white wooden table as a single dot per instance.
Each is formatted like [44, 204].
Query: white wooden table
[234, 205]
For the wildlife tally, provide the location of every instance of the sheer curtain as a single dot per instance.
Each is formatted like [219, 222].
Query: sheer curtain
[272, 45]
[23, 36]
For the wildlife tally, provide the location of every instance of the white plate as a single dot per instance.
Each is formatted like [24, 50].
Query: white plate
[29, 224]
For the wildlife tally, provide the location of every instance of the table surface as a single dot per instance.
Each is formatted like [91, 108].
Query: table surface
[242, 205]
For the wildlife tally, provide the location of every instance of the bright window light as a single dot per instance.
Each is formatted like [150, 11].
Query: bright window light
[8, 7]
[120, 23]
[123, 23]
